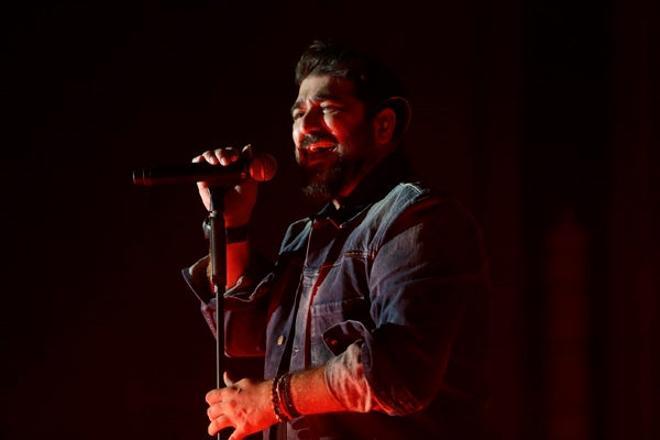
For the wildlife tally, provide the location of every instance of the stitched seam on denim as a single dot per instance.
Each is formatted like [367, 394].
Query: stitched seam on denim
[335, 306]
[358, 254]
[399, 189]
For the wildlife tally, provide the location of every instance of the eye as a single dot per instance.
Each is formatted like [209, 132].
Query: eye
[297, 114]
[330, 108]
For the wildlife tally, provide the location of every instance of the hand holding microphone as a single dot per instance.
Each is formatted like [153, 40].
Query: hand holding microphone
[237, 171]
[239, 200]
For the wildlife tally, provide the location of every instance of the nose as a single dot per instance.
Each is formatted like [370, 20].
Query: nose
[310, 121]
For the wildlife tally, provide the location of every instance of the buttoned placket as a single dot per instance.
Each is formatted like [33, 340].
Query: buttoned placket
[322, 236]
[299, 358]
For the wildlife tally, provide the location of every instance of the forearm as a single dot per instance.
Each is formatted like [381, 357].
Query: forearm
[245, 313]
[249, 406]
[310, 393]
[237, 250]
[238, 257]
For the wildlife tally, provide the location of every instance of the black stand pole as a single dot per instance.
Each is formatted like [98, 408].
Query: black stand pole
[217, 251]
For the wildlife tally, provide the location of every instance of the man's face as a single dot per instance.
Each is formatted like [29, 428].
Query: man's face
[331, 134]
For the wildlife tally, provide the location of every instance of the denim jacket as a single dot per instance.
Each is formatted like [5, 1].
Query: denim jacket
[400, 271]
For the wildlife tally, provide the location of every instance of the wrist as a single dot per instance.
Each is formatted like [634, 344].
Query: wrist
[276, 403]
[236, 221]
[282, 400]
[234, 233]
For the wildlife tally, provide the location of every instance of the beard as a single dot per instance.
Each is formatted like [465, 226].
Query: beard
[324, 183]
[325, 178]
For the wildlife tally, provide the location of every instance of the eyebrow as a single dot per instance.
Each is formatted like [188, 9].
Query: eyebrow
[320, 97]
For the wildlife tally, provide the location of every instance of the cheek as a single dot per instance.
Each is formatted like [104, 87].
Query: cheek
[295, 136]
[295, 133]
[337, 128]
[346, 131]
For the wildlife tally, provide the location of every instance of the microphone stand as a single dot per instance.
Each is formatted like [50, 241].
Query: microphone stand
[218, 254]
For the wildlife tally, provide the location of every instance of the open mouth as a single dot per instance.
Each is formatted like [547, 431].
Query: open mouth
[321, 147]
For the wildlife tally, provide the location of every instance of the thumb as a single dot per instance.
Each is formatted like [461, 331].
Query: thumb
[247, 151]
[226, 379]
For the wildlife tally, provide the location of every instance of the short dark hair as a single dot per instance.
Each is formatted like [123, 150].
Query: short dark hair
[375, 84]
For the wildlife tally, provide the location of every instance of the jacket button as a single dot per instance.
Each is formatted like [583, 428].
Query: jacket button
[280, 340]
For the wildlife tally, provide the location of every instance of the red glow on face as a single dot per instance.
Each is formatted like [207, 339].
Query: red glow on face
[328, 122]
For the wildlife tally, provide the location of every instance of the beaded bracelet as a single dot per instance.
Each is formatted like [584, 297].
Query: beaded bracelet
[281, 416]
[275, 399]
[279, 391]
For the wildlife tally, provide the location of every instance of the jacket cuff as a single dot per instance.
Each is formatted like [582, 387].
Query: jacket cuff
[344, 375]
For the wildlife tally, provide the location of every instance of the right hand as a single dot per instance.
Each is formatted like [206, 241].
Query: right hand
[239, 200]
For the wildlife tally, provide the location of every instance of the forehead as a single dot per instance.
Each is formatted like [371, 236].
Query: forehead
[316, 87]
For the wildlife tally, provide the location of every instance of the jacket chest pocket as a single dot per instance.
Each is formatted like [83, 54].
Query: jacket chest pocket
[328, 314]
[328, 320]
[345, 279]
[338, 293]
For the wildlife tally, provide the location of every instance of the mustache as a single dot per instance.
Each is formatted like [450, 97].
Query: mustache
[313, 138]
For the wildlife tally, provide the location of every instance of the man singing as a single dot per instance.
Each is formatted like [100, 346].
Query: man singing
[371, 322]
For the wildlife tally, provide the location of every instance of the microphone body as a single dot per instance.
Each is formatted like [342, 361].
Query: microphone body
[260, 167]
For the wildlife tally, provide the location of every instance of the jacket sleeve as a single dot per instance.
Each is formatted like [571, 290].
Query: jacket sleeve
[245, 306]
[428, 273]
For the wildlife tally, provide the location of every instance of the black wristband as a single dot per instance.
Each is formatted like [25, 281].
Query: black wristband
[287, 398]
[235, 235]
[232, 235]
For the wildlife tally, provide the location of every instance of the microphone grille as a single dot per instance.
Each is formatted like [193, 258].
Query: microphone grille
[263, 167]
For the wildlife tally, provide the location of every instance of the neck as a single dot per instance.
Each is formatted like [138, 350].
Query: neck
[376, 171]
[349, 187]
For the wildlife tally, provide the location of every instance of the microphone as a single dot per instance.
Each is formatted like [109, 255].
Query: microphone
[259, 167]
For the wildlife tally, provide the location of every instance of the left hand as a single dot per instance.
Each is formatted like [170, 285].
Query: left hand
[246, 405]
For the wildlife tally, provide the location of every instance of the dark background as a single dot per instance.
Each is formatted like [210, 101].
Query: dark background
[540, 115]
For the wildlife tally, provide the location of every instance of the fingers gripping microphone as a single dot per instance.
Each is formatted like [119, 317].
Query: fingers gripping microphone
[260, 167]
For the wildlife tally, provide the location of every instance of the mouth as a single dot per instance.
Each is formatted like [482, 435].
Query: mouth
[316, 154]
[321, 147]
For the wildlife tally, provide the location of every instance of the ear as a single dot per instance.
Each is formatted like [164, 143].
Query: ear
[384, 124]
